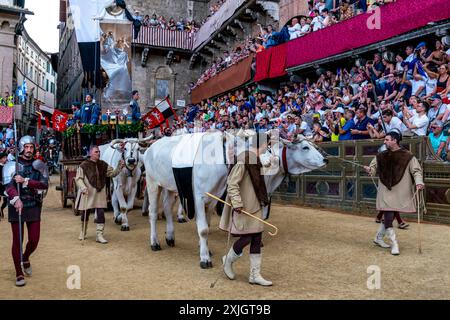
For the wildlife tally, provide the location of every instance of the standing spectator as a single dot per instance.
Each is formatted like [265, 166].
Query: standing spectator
[134, 105]
[9, 133]
[294, 29]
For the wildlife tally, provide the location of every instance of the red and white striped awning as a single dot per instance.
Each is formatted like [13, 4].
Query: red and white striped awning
[158, 37]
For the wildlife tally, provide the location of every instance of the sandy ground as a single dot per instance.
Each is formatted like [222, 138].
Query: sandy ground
[316, 255]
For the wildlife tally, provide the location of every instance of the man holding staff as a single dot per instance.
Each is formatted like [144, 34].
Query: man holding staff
[91, 180]
[25, 182]
[246, 192]
[399, 175]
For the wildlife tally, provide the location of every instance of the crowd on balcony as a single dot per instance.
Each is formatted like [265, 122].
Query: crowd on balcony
[408, 90]
[322, 13]
[228, 59]
[161, 22]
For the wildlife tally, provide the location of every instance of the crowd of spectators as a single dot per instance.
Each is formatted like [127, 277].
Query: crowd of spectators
[181, 24]
[161, 22]
[407, 90]
[228, 59]
[322, 13]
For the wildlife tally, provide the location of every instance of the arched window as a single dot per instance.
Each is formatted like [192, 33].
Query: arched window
[164, 83]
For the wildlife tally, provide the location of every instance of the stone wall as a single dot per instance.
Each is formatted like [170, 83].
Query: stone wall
[291, 8]
[177, 74]
[7, 51]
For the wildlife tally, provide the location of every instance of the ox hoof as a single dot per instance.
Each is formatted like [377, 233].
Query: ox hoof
[117, 221]
[182, 220]
[124, 228]
[205, 264]
[170, 243]
[155, 247]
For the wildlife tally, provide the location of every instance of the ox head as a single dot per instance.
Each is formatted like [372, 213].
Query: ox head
[131, 150]
[303, 155]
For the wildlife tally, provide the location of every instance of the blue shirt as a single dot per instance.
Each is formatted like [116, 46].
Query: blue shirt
[86, 113]
[362, 126]
[350, 124]
[436, 141]
[135, 111]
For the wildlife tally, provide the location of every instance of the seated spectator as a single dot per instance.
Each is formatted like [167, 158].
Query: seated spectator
[417, 122]
[437, 139]
[346, 10]
[360, 130]
[294, 29]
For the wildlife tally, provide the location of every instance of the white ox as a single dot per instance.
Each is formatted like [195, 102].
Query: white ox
[126, 183]
[211, 175]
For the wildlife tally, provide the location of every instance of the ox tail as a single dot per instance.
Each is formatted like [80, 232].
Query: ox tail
[183, 179]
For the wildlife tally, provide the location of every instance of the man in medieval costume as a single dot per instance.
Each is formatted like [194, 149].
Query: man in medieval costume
[400, 174]
[26, 181]
[91, 180]
[246, 191]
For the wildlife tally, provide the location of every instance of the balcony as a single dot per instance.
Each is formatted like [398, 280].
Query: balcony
[163, 38]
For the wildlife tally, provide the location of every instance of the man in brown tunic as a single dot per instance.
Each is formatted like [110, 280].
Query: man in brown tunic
[91, 179]
[246, 191]
[400, 174]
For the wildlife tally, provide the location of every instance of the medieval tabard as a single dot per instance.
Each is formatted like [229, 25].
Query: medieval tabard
[399, 172]
[36, 182]
[247, 190]
[92, 176]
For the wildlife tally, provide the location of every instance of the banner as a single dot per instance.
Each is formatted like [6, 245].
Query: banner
[160, 114]
[86, 15]
[6, 115]
[59, 120]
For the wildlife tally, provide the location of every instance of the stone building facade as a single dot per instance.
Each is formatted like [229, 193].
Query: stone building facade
[159, 71]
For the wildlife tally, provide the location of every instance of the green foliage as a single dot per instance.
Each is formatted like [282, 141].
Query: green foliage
[131, 128]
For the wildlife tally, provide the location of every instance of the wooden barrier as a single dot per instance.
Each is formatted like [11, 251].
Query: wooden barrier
[346, 187]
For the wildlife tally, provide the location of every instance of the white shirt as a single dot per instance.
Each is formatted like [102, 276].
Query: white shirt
[232, 109]
[430, 85]
[395, 123]
[415, 85]
[434, 113]
[317, 23]
[305, 29]
[9, 133]
[422, 124]
[305, 126]
[258, 116]
[294, 31]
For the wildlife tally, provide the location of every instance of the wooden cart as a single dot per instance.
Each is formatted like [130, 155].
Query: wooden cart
[72, 158]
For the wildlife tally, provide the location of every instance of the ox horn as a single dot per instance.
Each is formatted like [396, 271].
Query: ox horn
[116, 141]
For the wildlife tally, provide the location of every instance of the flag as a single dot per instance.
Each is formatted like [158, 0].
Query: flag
[158, 115]
[59, 120]
[88, 33]
[6, 115]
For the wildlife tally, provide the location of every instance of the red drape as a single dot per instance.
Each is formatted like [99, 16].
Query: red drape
[263, 64]
[278, 61]
[395, 18]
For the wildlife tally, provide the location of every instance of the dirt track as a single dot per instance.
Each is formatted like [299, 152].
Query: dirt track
[317, 255]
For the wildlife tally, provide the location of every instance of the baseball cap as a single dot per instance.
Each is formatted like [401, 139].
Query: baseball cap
[436, 96]
[339, 109]
[420, 45]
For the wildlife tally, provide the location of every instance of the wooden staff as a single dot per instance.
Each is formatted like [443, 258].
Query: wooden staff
[249, 214]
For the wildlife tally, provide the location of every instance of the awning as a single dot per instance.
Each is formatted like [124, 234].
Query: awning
[226, 80]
